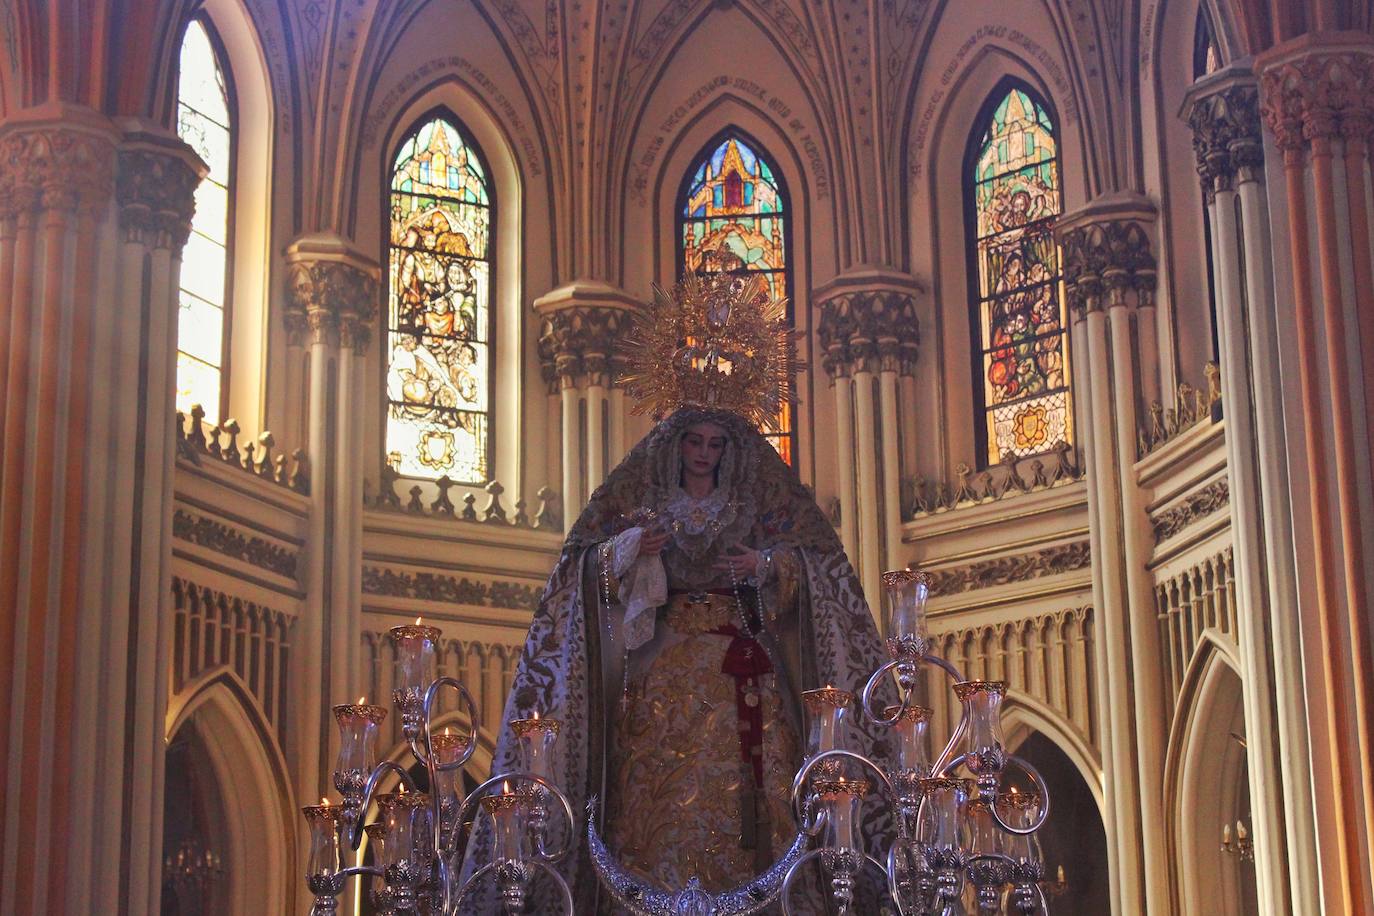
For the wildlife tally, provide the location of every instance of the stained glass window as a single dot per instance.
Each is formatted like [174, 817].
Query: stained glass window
[734, 202]
[1022, 359]
[205, 122]
[1206, 52]
[438, 381]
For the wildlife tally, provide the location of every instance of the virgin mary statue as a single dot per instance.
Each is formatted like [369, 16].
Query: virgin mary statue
[697, 595]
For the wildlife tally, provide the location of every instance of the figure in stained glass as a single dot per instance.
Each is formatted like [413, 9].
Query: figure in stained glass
[1024, 373]
[440, 271]
[734, 203]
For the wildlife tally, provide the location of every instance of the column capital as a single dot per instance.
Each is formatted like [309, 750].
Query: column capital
[1222, 110]
[581, 326]
[158, 177]
[868, 322]
[56, 157]
[1109, 253]
[332, 291]
[1317, 88]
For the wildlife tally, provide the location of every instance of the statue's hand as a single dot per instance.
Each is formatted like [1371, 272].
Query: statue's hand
[740, 561]
[652, 542]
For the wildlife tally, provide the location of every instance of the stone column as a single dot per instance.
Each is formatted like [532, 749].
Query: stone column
[869, 333]
[1314, 94]
[333, 292]
[1109, 275]
[582, 324]
[1223, 112]
[93, 217]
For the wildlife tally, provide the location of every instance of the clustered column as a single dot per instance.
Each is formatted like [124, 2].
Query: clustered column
[1109, 279]
[868, 338]
[93, 218]
[1223, 112]
[579, 346]
[1314, 94]
[332, 303]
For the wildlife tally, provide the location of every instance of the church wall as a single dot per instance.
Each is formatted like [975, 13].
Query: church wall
[1184, 321]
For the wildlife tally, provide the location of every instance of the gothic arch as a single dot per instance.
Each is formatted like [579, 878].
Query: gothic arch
[511, 377]
[1023, 714]
[260, 855]
[939, 240]
[1207, 782]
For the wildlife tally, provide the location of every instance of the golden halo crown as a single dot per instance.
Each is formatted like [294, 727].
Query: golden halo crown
[717, 340]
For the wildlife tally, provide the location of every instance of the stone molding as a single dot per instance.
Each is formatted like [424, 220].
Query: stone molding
[1222, 110]
[868, 330]
[1198, 505]
[923, 496]
[1317, 89]
[446, 589]
[54, 168]
[197, 443]
[332, 292]
[1050, 561]
[1108, 255]
[546, 516]
[231, 542]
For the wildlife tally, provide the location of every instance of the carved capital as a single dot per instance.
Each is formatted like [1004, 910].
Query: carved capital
[330, 292]
[1108, 260]
[582, 341]
[1315, 90]
[868, 330]
[59, 169]
[1223, 113]
[157, 195]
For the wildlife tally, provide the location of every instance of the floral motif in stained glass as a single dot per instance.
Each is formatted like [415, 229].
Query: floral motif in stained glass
[1026, 398]
[736, 203]
[439, 297]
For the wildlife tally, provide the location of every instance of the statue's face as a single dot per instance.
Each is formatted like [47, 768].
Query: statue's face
[702, 446]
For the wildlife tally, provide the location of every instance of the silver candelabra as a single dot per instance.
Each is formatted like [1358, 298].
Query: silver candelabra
[957, 842]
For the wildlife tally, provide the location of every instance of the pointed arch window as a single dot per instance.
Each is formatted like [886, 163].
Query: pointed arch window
[438, 378]
[205, 120]
[733, 199]
[1021, 366]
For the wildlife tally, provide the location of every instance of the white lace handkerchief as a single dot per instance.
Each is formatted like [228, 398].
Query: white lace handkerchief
[643, 587]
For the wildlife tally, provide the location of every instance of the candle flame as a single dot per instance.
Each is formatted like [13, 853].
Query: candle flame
[505, 787]
[535, 715]
[1061, 874]
[417, 620]
[362, 699]
[446, 731]
[324, 800]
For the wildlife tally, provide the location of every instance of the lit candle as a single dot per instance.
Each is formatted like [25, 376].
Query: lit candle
[826, 707]
[986, 754]
[323, 820]
[407, 827]
[907, 632]
[840, 798]
[359, 727]
[535, 739]
[414, 662]
[508, 812]
[945, 798]
[911, 738]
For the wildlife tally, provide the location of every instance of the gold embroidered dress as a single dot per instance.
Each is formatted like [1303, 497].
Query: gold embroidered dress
[704, 743]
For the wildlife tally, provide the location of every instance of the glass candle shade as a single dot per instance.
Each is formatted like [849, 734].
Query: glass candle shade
[359, 728]
[535, 739]
[907, 633]
[1020, 810]
[414, 664]
[943, 829]
[986, 753]
[912, 752]
[509, 812]
[840, 798]
[325, 852]
[826, 708]
[406, 817]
